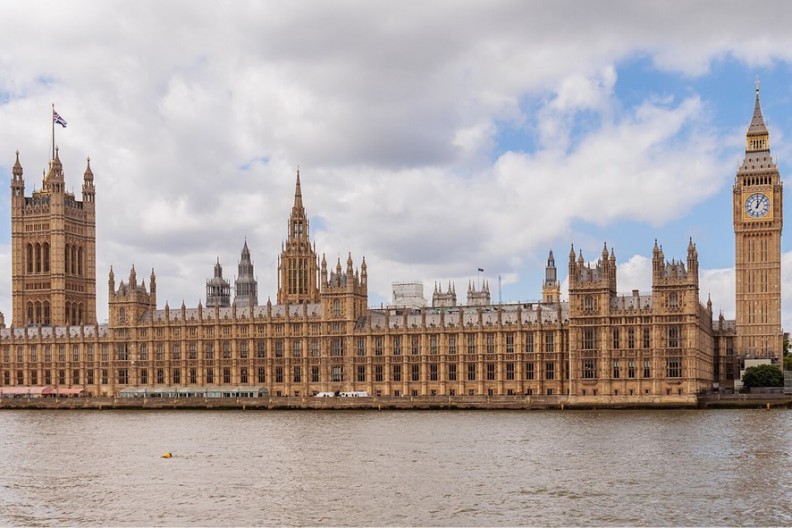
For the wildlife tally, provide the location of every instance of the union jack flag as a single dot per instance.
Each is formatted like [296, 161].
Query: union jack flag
[56, 118]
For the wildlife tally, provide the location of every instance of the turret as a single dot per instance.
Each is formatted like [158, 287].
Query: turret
[153, 289]
[657, 260]
[572, 265]
[246, 284]
[53, 179]
[218, 290]
[130, 302]
[88, 191]
[674, 276]
[551, 274]
[692, 258]
[17, 185]
[111, 281]
[476, 297]
[444, 299]
[551, 289]
[612, 269]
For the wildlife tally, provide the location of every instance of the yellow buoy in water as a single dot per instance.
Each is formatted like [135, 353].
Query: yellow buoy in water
[167, 454]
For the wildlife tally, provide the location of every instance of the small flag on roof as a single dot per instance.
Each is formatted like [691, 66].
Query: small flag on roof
[56, 118]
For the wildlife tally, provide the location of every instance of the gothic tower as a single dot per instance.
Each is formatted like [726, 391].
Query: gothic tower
[246, 286]
[551, 289]
[441, 299]
[53, 239]
[131, 301]
[758, 219]
[218, 290]
[478, 297]
[591, 290]
[344, 294]
[675, 287]
[298, 266]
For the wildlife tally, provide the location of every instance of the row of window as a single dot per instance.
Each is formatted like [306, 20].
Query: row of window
[629, 370]
[298, 275]
[673, 338]
[40, 313]
[124, 376]
[122, 351]
[37, 259]
[413, 373]
[455, 344]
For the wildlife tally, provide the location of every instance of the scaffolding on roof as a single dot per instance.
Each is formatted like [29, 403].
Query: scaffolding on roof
[407, 295]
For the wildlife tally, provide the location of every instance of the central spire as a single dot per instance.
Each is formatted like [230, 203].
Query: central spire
[298, 222]
[298, 193]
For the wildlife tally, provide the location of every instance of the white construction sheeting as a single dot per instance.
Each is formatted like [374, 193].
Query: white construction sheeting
[408, 295]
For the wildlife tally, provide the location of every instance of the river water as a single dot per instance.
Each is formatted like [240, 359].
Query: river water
[413, 468]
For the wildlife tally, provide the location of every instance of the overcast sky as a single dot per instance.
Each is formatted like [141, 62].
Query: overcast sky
[433, 138]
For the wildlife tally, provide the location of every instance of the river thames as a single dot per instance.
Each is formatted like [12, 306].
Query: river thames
[414, 468]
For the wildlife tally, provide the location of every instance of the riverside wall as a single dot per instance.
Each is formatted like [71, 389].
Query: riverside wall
[407, 403]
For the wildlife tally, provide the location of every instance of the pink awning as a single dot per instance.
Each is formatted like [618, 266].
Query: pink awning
[62, 391]
[40, 391]
[23, 390]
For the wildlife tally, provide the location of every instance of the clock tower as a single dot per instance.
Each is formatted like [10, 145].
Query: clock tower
[758, 218]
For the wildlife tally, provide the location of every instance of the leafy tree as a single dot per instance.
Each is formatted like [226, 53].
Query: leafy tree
[787, 353]
[763, 376]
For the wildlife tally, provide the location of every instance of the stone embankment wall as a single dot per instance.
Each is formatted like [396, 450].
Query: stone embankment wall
[405, 403]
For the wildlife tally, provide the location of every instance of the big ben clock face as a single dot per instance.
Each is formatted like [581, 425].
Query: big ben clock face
[757, 205]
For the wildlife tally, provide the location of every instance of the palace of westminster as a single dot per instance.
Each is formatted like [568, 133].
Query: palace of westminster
[321, 336]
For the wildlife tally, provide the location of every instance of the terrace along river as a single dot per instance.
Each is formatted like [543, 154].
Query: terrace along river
[462, 468]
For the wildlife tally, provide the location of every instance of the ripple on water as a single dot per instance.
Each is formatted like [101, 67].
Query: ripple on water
[395, 468]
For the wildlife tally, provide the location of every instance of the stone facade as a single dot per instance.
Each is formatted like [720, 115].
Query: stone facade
[321, 336]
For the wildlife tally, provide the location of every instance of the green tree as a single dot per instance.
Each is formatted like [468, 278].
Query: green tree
[763, 376]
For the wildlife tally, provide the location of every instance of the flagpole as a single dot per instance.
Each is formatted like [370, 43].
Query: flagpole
[52, 119]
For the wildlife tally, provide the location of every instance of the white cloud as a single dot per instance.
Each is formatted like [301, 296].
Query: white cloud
[719, 285]
[196, 115]
[579, 91]
[635, 274]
